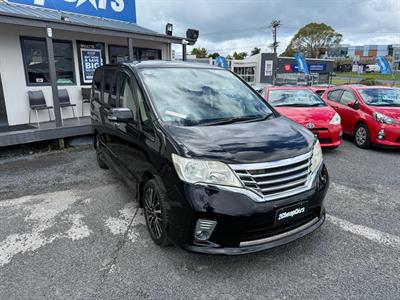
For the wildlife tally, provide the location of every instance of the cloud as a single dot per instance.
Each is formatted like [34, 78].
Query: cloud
[240, 25]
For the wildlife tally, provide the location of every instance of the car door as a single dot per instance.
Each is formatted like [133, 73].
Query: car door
[108, 102]
[347, 113]
[333, 98]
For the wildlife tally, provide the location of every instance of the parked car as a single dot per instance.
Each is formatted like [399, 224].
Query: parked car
[216, 169]
[372, 69]
[260, 87]
[371, 114]
[301, 105]
[320, 88]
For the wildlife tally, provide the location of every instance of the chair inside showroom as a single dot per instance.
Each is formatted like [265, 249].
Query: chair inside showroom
[65, 101]
[37, 102]
[85, 97]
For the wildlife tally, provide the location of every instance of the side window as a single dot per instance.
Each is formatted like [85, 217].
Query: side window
[334, 95]
[347, 97]
[110, 91]
[144, 110]
[125, 95]
[96, 86]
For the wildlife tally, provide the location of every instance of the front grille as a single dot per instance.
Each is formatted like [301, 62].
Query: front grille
[325, 141]
[266, 230]
[276, 179]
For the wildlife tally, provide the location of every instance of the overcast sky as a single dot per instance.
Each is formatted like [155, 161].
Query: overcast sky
[229, 25]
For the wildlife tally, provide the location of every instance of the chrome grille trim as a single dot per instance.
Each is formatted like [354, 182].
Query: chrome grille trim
[276, 179]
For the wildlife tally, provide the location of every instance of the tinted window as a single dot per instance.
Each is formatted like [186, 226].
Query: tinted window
[36, 63]
[126, 98]
[63, 56]
[144, 111]
[97, 82]
[110, 91]
[190, 96]
[347, 97]
[118, 54]
[334, 95]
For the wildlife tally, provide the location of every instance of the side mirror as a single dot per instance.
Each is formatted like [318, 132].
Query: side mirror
[353, 104]
[120, 115]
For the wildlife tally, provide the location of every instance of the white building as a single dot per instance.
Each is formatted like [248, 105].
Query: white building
[25, 60]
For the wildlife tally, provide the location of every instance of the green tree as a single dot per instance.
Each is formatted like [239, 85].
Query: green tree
[214, 55]
[255, 51]
[313, 40]
[240, 55]
[200, 52]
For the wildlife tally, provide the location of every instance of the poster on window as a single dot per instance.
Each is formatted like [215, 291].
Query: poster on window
[268, 68]
[91, 60]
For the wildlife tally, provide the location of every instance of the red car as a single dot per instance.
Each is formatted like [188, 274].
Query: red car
[371, 114]
[320, 89]
[306, 108]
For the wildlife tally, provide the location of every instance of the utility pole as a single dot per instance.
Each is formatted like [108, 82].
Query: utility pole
[274, 25]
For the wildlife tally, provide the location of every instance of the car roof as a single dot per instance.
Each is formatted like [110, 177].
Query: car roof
[289, 88]
[164, 64]
[362, 87]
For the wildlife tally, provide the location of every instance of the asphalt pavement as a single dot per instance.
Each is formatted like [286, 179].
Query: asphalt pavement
[69, 230]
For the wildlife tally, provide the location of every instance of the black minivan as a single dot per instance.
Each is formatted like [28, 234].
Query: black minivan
[216, 169]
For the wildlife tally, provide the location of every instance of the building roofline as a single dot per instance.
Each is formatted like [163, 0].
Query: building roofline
[43, 22]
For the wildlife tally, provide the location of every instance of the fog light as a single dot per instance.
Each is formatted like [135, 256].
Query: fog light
[381, 134]
[204, 229]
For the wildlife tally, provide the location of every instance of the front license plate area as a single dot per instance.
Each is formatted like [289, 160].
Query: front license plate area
[290, 213]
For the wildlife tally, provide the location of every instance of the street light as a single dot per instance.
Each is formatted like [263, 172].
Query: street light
[168, 29]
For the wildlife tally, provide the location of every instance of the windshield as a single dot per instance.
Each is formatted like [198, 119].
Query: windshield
[381, 97]
[189, 97]
[300, 98]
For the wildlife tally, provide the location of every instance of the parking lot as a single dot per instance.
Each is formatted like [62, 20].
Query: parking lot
[70, 230]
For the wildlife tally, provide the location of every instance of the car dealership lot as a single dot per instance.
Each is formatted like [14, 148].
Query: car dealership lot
[70, 230]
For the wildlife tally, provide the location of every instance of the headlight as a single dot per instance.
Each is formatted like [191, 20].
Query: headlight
[316, 157]
[336, 120]
[203, 171]
[381, 118]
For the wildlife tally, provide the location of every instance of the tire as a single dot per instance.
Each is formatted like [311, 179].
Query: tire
[362, 137]
[100, 161]
[155, 213]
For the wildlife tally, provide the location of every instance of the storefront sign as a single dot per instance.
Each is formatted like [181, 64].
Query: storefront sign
[122, 10]
[290, 68]
[91, 60]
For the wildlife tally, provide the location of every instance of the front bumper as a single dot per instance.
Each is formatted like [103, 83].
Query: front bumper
[391, 135]
[244, 225]
[266, 243]
[330, 137]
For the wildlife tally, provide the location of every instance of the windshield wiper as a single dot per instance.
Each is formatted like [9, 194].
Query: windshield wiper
[237, 120]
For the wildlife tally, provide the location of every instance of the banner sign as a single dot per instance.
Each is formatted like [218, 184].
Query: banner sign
[221, 62]
[91, 60]
[122, 10]
[383, 65]
[301, 63]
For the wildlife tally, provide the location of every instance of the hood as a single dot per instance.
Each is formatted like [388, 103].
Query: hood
[390, 111]
[319, 116]
[251, 142]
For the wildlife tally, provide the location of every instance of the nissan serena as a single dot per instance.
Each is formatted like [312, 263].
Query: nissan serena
[216, 169]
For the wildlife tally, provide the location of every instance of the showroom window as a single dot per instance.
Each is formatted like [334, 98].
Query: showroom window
[36, 64]
[120, 53]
